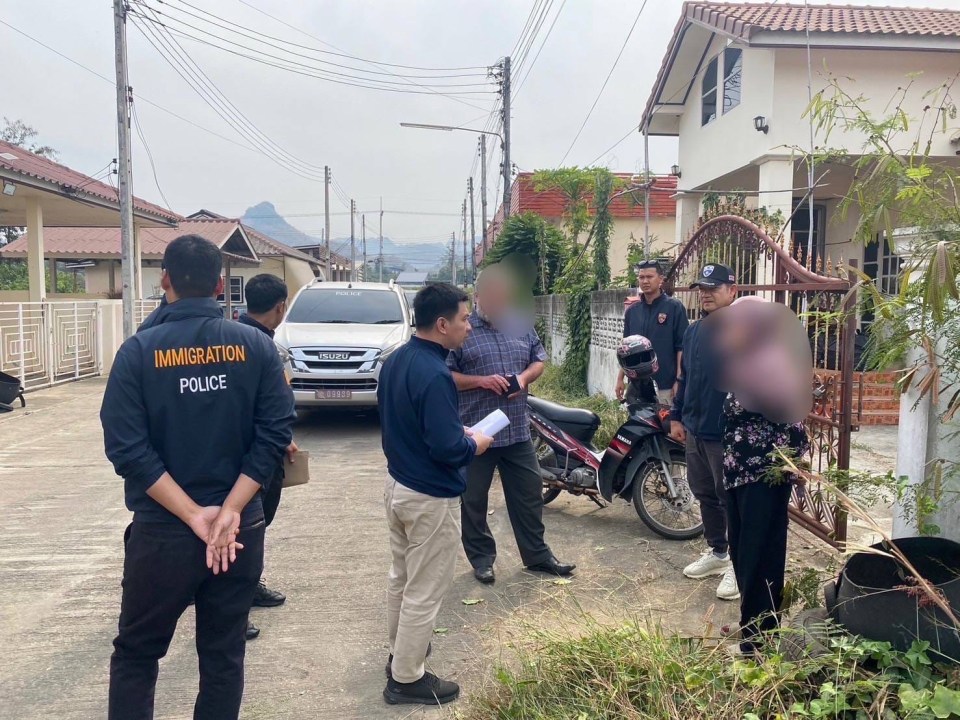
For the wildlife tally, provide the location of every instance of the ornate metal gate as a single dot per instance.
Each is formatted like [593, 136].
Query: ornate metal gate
[827, 306]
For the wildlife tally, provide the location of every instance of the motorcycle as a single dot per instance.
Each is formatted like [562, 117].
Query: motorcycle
[642, 462]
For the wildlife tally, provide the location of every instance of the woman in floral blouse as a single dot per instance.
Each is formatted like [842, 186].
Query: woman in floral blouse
[767, 369]
[757, 497]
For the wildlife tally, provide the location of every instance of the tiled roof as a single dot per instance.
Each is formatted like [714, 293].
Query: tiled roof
[742, 20]
[551, 203]
[94, 243]
[27, 164]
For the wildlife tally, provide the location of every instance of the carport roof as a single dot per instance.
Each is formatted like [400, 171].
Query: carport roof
[58, 182]
[62, 243]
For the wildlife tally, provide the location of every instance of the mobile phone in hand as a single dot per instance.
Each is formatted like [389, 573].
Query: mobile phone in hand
[514, 385]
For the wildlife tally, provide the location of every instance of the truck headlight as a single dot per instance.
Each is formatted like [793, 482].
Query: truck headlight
[388, 351]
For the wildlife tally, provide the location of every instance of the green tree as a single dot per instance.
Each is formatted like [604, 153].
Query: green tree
[18, 133]
[15, 276]
[899, 184]
[529, 236]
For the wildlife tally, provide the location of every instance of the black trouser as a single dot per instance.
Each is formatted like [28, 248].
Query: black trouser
[705, 476]
[758, 520]
[523, 492]
[164, 568]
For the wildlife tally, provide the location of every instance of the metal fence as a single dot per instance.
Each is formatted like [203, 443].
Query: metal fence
[46, 343]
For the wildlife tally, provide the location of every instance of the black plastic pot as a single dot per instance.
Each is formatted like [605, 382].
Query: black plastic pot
[875, 598]
[10, 390]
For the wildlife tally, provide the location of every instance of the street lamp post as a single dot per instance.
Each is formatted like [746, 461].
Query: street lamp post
[483, 174]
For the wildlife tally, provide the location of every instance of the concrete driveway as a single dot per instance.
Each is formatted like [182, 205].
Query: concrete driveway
[322, 654]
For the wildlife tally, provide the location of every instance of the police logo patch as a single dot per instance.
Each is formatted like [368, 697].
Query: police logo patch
[708, 271]
[662, 318]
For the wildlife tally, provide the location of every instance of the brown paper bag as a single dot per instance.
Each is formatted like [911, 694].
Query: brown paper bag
[296, 473]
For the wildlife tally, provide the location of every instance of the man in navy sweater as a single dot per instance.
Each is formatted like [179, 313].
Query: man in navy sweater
[196, 417]
[427, 451]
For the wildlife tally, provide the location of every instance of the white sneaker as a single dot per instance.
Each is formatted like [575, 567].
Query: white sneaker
[728, 589]
[708, 564]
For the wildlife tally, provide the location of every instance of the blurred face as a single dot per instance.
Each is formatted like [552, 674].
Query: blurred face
[712, 299]
[493, 296]
[454, 331]
[649, 280]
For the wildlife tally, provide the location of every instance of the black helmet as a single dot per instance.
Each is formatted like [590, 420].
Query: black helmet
[637, 358]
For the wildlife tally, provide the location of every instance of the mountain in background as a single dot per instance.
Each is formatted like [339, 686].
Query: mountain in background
[418, 256]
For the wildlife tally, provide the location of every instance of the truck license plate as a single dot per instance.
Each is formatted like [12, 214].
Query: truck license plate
[334, 394]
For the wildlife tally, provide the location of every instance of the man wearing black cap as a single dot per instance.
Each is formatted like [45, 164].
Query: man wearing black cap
[663, 321]
[697, 421]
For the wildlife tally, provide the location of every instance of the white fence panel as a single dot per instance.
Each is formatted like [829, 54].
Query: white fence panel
[48, 343]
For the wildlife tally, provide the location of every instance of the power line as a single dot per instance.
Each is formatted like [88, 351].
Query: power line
[220, 103]
[277, 61]
[604, 86]
[323, 42]
[153, 166]
[542, 45]
[302, 69]
[522, 57]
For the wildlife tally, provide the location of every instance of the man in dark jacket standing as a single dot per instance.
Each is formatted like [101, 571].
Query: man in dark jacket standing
[427, 450]
[196, 417]
[697, 421]
[663, 321]
[266, 297]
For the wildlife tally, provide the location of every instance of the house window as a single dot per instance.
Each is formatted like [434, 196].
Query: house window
[732, 74]
[236, 291]
[708, 94]
[882, 265]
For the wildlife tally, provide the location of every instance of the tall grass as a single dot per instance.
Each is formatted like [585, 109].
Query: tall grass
[633, 672]
[551, 387]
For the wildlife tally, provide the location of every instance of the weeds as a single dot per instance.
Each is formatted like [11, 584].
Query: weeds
[634, 672]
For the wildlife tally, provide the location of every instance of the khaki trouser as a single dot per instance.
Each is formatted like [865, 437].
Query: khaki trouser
[424, 542]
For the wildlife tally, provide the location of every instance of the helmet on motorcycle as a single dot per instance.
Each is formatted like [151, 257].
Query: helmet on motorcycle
[637, 358]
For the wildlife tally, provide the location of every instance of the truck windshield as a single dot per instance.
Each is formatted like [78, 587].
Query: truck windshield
[356, 307]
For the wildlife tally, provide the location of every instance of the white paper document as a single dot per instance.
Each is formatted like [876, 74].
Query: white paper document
[492, 423]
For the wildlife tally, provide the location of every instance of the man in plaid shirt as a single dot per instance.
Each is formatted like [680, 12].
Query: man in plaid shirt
[482, 369]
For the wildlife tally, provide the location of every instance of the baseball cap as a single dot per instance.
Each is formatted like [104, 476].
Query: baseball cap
[714, 275]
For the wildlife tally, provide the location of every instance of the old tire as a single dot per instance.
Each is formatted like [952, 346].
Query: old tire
[647, 498]
[550, 494]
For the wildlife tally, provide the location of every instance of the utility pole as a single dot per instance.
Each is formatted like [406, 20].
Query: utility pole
[380, 260]
[453, 258]
[326, 218]
[483, 190]
[128, 258]
[507, 168]
[353, 243]
[473, 233]
[363, 243]
[463, 225]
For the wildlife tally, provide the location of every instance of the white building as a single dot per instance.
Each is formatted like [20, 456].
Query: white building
[733, 88]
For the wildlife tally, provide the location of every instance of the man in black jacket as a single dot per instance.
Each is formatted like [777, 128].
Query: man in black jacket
[697, 421]
[266, 297]
[427, 450]
[196, 417]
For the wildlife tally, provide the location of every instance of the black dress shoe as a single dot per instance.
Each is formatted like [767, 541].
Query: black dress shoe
[388, 669]
[484, 574]
[552, 566]
[253, 632]
[265, 597]
[428, 690]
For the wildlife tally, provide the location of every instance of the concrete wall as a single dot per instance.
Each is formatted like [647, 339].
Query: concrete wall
[627, 230]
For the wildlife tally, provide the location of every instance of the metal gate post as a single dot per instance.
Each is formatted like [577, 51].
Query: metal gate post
[847, 360]
[23, 374]
[76, 343]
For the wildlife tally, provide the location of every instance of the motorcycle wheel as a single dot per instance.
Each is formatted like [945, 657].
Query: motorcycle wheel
[546, 457]
[674, 520]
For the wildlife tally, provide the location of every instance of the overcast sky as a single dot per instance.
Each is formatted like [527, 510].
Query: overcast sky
[354, 130]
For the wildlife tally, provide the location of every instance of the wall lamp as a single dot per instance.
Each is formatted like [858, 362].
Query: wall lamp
[9, 188]
[675, 170]
[760, 124]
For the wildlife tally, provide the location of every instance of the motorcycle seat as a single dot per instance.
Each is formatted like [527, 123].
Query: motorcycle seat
[562, 414]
